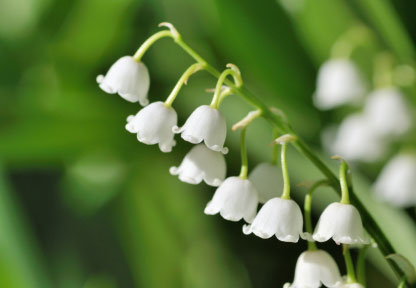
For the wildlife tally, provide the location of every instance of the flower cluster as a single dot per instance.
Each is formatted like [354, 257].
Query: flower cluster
[383, 115]
[238, 197]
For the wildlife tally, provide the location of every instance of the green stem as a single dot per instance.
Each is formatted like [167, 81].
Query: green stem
[308, 219]
[224, 94]
[244, 160]
[285, 171]
[355, 37]
[275, 153]
[343, 170]
[184, 78]
[217, 95]
[149, 42]
[308, 210]
[349, 264]
[402, 283]
[361, 265]
[279, 123]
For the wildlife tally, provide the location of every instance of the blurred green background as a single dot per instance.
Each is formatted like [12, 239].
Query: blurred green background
[83, 204]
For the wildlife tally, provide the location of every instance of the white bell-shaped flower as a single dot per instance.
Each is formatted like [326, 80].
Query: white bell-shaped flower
[205, 124]
[341, 222]
[356, 141]
[153, 125]
[266, 177]
[387, 112]
[339, 82]
[315, 268]
[280, 217]
[201, 163]
[129, 78]
[235, 199]
[397, 181]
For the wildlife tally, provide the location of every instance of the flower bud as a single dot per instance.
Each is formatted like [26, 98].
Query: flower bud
[201, 163]
[153, 125]
[387, 112]
[280, 217]
[397, 181]
[129, 78]
[267, 178]
[235, 199]
[339, 82]
[205, 124]
[315, 268]
[341, 222]
[355, 140]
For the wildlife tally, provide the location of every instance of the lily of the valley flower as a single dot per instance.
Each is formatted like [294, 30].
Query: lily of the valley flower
[127, 77]
[266, 177]
[387, 112]
[342, 223]
[355, 140]
[234, 199]
[201, 163]
[396, 183]
[206, 124]
[339, 82]
[315, 268]
[153, 125]
[280, 217]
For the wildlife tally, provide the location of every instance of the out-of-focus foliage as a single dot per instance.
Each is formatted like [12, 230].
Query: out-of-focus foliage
[83, 204]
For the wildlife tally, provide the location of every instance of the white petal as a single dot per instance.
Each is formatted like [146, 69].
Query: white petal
[314, 268]
[205, 124]
[280, 217]
[153, 125]
[268, 181]
[342, 223]
[128, 78]
[200, 164]
[397, 181]
[387, 112]
[234, 199]
[355, 140]
[339, 82]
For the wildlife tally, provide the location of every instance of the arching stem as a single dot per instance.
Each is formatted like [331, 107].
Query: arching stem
[183, 80]
[149, 42]
[217, 95]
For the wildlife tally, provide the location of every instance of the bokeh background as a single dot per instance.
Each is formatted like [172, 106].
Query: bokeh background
[83, 204]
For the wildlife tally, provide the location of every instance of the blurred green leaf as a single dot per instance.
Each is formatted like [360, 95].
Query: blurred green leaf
[21, 263]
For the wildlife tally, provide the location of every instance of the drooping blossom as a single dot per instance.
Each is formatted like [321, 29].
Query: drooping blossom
[153, 125]
[201, 164]
[234, 199]
[205, 124]
[127, 77]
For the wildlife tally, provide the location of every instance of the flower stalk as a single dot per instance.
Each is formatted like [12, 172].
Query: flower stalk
[244, 160]
[149, 42]
[308, 210]
[283, 127]
[349, 264]
[343, 170]
[284, 140]
[183, 80]
[233, 71]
